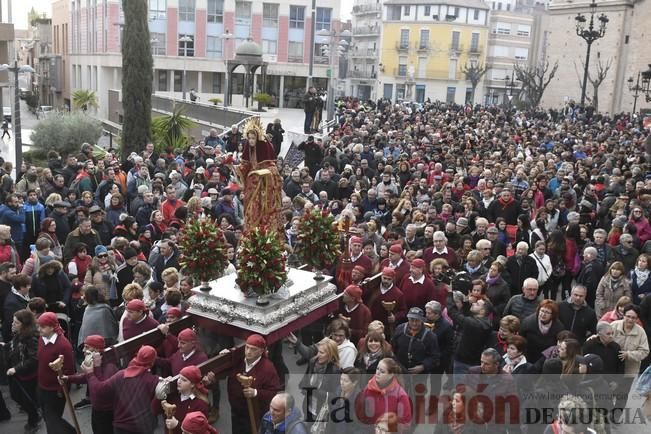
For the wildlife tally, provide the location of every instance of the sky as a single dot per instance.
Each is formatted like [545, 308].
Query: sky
[20, 8]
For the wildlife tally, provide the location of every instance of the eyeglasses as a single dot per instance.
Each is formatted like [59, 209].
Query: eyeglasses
[545, 312]
[102, 256]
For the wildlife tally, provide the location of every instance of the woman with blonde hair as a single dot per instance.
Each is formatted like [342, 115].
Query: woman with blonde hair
[612, 286]
[320, 378]
[171, 278]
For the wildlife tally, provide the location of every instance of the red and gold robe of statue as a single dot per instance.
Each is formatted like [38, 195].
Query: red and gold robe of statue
[262, 188]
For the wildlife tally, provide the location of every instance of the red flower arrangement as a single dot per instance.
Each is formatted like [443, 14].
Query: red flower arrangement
[261, 263]
[318, 242]
[203, 250]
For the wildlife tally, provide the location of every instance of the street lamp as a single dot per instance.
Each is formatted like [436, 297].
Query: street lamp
[589, 35]
[18, 138]
[509, 86]
[636, 89]
[185, 39]
[342, 48]
[646, 81]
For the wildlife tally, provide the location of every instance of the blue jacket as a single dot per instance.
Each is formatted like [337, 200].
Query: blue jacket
[34, 215]
[293, 421]
[15, 218]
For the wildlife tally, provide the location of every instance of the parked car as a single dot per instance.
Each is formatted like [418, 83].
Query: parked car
[44, 111]
[24, 93]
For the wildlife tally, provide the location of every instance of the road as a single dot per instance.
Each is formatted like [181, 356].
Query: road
[28, 122]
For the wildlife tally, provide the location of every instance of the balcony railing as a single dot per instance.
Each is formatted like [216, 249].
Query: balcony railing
[400, 46]
[367, 8]
[364, 52]
[366, 30]
[362, 74]
[320, 60]
[423, 47]
[476, 49]
[456, 49]
[400, 72]
[295, 59]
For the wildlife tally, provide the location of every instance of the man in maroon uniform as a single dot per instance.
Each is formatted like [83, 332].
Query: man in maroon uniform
[418, 288]
[357, 256]
[397, 262]
[52, 344]
[387, 292]
[441, 250]
[265, 384]
[188, 353]
[355, 312]
[138, 320]
[131, 390]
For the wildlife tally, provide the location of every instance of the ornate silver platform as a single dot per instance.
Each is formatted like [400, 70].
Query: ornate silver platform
[226, 303]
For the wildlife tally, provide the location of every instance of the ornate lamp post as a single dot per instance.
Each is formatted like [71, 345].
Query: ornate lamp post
[589, 34]
[509, 86]
[646, 81]
[340, 40]
[636, 89]
[185, 39]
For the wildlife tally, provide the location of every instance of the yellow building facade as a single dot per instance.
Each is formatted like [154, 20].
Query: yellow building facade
[425, 47]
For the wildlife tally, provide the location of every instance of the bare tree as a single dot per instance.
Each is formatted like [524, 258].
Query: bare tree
[474, 73]
[534, 79]
[595, 81]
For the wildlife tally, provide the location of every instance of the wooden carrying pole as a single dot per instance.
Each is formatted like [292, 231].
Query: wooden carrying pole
[57, 366]
[169, 410]
[248, 382]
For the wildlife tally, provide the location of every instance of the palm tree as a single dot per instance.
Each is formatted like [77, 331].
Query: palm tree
[169, 130]
[83, 99]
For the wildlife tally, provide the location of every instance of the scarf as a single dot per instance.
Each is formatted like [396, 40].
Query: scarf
[492, 280]
[471, 270]
[544, 328]
[371, 358]
[505, 203]
[641, 276]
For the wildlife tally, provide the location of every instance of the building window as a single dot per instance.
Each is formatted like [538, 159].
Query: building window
[242, 13]
[269, 46]
[186, 47]
[427, 11]
[476, 14]
[449, 97]
[524, 30]
[295, 52]
[187, 10]
[404, 38]
[217, 78]
[452, 69]
[178, 81]
[502, 28]
[499, 6]
[157, 9]
[270, 15]
[500, 51]
[162, 80]
[521, 53]
[323, 18]
[157, 44]
[214, 47]
[424, 39]
[455, 40]
[508, 6]
[296, 17]
[393, 13]
[402, 70]
[407, 11]
[474, 42]
[215, 11]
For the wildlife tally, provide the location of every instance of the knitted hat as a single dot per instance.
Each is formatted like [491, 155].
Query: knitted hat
[197, 423]
[434, 305]
[389, 272]
[100, 249]
[256, 341]
[418, 263]
[95, 341]
[143, 361]
[620, 222]
[462, 221]
[187, 335]
[136, 305]
[355, 292]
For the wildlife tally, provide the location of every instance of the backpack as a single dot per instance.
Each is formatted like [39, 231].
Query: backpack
[74, 185]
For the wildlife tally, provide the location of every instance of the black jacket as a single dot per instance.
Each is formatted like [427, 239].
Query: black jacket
[13, 303]
[608, 353]
[422, 349]
[519, 272]
[582, 322]
[474, 335]
[536, 341]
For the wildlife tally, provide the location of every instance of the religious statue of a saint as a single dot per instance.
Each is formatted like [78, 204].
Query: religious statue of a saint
[262, 181]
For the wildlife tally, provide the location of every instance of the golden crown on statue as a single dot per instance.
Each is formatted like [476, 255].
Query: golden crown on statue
[254, 125]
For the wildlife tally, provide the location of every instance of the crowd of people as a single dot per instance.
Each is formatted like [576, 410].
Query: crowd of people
[506, 245]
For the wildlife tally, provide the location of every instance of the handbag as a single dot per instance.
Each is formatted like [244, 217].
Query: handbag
[322, 418]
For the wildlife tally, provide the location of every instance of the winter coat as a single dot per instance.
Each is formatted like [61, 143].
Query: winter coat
[536, 341]
[635, 343]
[582, 321]
[374, 402]
[608, 293]
[22, 355]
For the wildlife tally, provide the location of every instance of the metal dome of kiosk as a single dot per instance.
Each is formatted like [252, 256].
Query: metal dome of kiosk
[248, 55]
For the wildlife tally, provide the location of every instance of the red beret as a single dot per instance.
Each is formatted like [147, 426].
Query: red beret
[187, 335]
[355, 240]
[143, 361]
[95, 341]
[418, 263]
[360, 270]
[48, 319]
[136, 305]
[197, 423]
[355, 292]
[175, 312]
[396, 248]
[389, 272]
[193, 374]
[256, 341]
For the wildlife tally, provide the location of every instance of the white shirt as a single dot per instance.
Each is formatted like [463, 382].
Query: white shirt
[442, 252]
[353, 259]
[392, 265]
[248, 367]
[24, 297]
[421, 280]
[187, 356]
[186, 397]
[385, 290]
[351, 310]
[51, 340]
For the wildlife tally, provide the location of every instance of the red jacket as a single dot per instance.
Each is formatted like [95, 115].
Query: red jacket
[417, 294]
[360, 318]
[374, 302]
[373, 402]
[47, 378]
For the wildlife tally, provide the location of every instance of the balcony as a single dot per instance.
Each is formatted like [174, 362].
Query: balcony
[364, 53]
[366, 31]
[295, 59]
[366, 75]
[321, 60]
[456, 49]
[424, 47]
[402, 47]
[400, 71]
[369, 8]
[475, 50]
